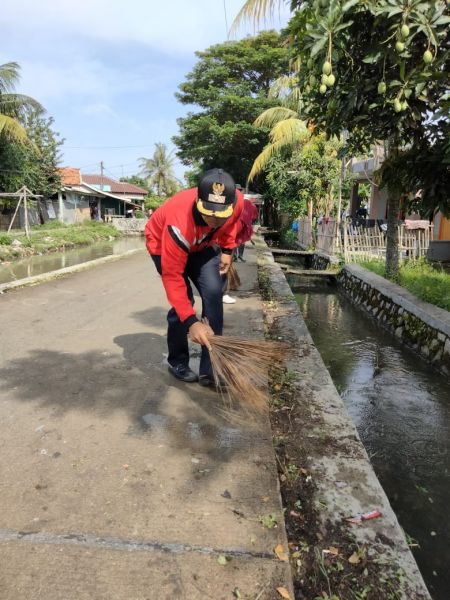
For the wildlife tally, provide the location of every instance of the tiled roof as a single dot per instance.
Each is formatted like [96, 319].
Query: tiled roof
[70, 176]
[115, 187]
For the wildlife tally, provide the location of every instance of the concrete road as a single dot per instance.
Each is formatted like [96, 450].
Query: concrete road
[116, 481]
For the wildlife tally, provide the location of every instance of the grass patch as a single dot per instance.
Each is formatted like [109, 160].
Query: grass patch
[427, 282]
[55, 236]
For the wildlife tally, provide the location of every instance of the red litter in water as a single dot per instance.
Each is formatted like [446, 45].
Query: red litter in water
[374, 514]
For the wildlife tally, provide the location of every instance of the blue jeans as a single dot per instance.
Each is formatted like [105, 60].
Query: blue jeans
[202, 269]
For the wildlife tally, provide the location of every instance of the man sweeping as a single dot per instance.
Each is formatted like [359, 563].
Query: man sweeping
[191, 239]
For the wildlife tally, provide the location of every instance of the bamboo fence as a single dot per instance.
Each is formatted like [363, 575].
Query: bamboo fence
[359, 242]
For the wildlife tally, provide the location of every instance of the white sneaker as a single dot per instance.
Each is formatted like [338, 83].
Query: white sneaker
[228, 299]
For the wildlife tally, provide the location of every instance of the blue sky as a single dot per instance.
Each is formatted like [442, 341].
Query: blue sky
[107, 70]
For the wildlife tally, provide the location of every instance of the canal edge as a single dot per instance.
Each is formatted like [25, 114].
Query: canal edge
[346, 461]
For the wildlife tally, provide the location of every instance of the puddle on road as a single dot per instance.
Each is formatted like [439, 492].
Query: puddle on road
[198, 437]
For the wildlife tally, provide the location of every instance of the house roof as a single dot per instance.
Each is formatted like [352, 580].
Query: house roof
[84, 189]
[113, 186]
[70, 176]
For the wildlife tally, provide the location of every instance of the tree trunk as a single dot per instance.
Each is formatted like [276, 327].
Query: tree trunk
[392, 271]
[393, 205]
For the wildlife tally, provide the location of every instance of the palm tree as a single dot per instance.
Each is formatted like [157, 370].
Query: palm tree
[158, 171]
[13, 106]
[256, 10]
[287, 131]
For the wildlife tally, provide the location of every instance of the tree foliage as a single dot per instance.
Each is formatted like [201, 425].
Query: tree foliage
[379, 69]
[309, 175]
[35, 163]
[13, 106]
[136, 180]
[230, 85]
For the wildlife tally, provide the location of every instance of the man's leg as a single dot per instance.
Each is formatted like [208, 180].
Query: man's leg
[203, 270]
[177, 341]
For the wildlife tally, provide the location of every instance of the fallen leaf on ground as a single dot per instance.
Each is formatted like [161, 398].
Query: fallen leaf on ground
[354, 558]
[222, 560]
[284, 593]
[280, 553]
[331, 550]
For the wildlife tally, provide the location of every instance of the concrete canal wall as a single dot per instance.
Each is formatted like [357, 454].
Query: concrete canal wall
[345, 483]
[421, 326]
[130, 226]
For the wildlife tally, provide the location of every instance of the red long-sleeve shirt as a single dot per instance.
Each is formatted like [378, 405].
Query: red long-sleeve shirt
[177, 229]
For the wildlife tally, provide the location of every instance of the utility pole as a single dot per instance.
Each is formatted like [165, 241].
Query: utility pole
[102, 168]
[226, 19]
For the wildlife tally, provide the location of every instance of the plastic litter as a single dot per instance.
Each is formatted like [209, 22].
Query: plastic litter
[374, 514]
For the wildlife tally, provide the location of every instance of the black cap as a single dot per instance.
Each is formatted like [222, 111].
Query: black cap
[216, 193]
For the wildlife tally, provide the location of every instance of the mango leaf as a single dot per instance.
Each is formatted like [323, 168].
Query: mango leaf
[284, 593]
[318, 46]
[280, 553]
[372, 58]
[348, 5]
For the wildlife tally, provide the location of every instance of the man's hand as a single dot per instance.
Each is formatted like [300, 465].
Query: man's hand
[225, 262]
[200, 332]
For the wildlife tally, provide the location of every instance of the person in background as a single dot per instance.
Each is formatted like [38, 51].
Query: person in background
[248, 216]
[191, 238]
[149, 212]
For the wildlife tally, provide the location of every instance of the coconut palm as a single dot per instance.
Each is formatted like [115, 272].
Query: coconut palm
[288, 131]
[256, 10]
[158, 171]
[13, 106]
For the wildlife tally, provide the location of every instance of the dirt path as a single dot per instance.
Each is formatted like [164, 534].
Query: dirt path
[116, 481]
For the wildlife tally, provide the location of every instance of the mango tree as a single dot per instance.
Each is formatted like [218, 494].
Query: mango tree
[380, 70]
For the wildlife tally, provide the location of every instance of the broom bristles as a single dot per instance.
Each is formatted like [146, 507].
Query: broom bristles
[243, 366]
[234, 280]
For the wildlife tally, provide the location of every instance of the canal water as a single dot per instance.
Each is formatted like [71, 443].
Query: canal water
[36, 265]
[401, 408]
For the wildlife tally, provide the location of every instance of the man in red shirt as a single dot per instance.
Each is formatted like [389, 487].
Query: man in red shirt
[190, 239]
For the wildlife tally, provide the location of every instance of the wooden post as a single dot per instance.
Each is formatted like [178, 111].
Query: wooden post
[27, 229]
[14, 215]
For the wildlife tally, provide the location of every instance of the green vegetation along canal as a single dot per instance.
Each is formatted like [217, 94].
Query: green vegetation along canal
[401, 408]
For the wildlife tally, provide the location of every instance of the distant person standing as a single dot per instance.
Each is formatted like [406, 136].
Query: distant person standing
[149, 212]
[248, 216]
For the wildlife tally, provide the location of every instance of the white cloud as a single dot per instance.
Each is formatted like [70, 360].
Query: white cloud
[99, 109]
[173, 27]
[93, 62]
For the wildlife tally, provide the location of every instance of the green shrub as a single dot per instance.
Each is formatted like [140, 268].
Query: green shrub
[427, 282]
[5, 240]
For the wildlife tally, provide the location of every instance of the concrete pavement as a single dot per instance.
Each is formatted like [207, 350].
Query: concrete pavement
[118, 482]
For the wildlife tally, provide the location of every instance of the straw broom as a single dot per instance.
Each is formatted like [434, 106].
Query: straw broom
[243, 367]
[234, 280]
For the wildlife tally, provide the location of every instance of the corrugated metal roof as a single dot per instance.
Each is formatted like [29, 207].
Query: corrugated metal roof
[116, 187]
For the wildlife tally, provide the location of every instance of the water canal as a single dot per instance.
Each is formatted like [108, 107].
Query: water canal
[36, 265]
[401, 408]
